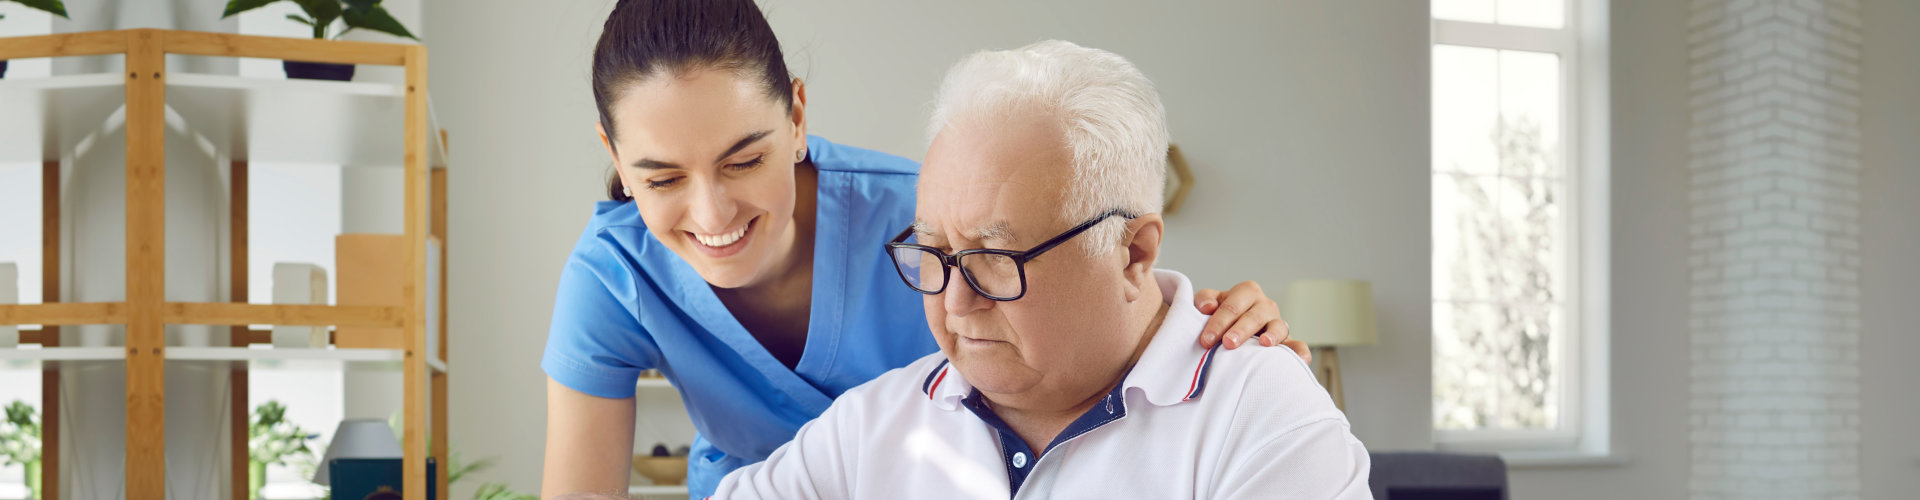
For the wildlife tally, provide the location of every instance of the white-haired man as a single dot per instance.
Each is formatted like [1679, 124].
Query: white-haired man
[1066, 366]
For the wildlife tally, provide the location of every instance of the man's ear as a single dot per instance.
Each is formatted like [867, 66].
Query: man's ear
[1142, 243]
[799, 111]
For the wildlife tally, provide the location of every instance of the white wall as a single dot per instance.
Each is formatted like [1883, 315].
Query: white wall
[509, 84]
[1889, 245]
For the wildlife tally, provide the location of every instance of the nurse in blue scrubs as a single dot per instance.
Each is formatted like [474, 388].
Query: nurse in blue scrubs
[739, 256]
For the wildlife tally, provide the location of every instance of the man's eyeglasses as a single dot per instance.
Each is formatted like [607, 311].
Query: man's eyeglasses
[993, 273]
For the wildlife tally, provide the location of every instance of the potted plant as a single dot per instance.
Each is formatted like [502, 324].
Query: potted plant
[54, 7]
[272, 440]
[321, 15]
[20, 442]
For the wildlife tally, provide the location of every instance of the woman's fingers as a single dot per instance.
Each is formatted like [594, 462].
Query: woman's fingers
[1208, 302]
[1300, 348]
[1248, 310]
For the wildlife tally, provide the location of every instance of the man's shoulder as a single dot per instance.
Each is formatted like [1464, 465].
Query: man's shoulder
[1272, 381]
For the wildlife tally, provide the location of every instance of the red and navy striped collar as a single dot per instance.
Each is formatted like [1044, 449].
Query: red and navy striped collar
[1173, 369]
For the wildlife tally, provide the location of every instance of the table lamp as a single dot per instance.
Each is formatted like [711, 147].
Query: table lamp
[1327, 314]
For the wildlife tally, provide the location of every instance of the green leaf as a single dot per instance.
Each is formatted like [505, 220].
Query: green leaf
[323, 12]
[54, 7]
[361, 5]
[238, 6]
[378, 19]
[296, 18]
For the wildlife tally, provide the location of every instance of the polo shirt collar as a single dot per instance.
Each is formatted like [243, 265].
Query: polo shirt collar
[1174, 367]
[1171, 371]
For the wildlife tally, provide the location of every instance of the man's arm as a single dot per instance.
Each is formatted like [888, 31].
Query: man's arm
[1319, 460]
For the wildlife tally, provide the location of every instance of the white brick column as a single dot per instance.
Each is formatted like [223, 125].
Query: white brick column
[1776, 241]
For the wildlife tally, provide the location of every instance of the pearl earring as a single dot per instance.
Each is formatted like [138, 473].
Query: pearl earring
[626, 191]
[800, 156]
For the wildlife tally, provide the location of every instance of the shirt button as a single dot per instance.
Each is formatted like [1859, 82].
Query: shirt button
[1019, 459]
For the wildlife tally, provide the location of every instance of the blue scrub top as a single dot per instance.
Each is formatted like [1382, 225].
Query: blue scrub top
[626, 303]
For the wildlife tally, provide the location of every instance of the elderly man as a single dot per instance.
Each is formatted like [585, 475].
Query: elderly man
[1067, 366]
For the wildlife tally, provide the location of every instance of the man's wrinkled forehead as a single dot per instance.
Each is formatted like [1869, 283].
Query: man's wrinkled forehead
[995, 231]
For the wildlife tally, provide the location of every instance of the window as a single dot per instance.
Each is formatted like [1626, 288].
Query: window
[1519, 255]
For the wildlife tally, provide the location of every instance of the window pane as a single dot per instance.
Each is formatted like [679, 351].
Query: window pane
[1466, 104]
[1499, 238]
[1530, 107]
[1479, 11]
[1528, 255]
[1477, 92]
[1535, 13]
[1494, 366]
[1463, 226]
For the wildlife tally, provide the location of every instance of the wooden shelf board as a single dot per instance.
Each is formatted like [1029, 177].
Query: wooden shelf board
[271, 357]
[244, 118]
[46, 354]
[256, 358]
[234, 313]
[64, 313]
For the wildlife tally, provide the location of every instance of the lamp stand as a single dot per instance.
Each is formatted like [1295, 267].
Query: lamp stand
[1329, 374]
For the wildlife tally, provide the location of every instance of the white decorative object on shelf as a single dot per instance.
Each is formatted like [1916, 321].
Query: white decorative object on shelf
[299, 283]
[9, 294]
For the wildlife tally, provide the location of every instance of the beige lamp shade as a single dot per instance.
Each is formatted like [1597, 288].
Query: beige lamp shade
[1330, 312]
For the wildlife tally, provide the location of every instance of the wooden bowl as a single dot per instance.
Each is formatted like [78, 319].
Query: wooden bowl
[663, 471]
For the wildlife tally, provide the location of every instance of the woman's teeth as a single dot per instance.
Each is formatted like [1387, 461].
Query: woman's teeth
[722, 240]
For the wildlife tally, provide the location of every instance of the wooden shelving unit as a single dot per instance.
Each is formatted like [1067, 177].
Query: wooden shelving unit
[214, 103]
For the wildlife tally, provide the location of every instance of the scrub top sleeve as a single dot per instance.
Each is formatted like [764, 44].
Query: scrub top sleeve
[595, 344]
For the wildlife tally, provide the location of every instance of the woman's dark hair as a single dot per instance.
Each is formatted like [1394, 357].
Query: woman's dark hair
[650, 38]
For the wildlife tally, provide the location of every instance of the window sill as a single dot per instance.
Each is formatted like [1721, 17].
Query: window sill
[1560, 459]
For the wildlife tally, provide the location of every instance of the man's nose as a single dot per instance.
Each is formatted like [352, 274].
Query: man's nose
[961, 298]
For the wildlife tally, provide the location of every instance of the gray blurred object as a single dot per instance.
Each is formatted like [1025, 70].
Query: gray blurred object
[1428, 472]
[358, 438]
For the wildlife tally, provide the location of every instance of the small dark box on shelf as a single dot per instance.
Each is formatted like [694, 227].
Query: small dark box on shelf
[372, 478]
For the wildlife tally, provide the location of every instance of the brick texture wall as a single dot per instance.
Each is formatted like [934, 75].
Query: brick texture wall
[1775, 195]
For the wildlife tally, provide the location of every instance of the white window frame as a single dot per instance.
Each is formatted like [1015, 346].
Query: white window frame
[1584, 433]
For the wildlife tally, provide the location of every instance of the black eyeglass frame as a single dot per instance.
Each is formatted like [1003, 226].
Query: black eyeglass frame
[1020, 257]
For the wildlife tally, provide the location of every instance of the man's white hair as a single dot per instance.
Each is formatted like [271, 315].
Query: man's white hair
[1113, 120]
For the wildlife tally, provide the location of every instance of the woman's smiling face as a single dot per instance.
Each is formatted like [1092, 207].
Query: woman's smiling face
[709, 158]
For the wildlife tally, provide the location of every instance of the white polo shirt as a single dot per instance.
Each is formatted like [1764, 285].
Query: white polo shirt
[1185, 423]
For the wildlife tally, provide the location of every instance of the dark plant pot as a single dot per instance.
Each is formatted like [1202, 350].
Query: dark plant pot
[3, 69]
[318, 71]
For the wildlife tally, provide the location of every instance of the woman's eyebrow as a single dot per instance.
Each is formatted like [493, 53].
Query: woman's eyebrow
[742, 144]
[652, 164]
